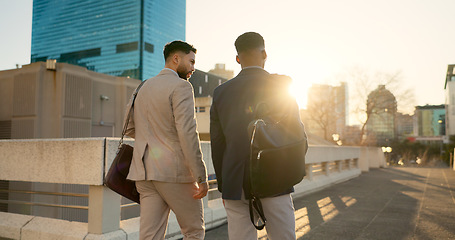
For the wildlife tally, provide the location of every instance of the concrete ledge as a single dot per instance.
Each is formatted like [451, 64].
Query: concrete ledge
[11, 224]
[318, 154]
[83, 161]
[131, 227]
[24, 227]
[71, 161]
[323, 181]
[40, 228]
[116, 235]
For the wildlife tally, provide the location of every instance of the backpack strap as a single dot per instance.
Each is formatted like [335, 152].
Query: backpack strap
[255, 205]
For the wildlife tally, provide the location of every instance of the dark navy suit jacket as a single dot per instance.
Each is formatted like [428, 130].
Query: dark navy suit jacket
[232, 111]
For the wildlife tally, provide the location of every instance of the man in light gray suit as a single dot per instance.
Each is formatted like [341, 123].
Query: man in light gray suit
[167, 161]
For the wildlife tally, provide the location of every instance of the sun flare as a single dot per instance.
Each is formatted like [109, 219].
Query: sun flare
[299, 91]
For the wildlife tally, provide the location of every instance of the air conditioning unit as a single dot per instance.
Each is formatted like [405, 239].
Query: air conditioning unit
[50, 64]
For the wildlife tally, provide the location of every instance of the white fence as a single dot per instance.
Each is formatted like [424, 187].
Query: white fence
[85, 161]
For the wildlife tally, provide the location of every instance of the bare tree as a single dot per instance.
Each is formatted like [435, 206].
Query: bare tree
[322, 116]
[325, 109]
[363, 82]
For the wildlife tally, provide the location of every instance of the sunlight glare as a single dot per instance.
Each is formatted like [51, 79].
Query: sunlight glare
[299, 91]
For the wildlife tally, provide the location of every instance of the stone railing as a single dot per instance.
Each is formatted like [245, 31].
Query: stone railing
[85, 162]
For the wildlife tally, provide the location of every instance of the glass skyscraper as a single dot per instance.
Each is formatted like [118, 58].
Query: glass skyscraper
[120, 38]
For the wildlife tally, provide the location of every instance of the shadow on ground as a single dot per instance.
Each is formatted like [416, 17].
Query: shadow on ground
[392, 203]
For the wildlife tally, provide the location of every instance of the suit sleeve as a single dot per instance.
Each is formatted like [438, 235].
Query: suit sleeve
[185, 123]
[218, 144]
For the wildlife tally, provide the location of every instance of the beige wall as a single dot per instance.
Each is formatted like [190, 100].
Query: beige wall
[203, 117]
[61, 103]
[64, 102]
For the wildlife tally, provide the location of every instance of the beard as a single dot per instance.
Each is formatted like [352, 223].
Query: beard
[183, 73]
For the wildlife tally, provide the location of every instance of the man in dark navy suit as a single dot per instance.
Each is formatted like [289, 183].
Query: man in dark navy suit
[232, 110]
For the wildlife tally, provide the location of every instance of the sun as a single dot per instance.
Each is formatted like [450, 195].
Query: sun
[299, 90]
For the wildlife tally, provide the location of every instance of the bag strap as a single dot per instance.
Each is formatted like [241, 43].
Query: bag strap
[130, 113]
[255, 204]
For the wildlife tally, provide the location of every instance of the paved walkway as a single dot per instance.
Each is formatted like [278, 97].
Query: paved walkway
[391, 203]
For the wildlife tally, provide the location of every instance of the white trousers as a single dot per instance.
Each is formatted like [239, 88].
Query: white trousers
[158, 198]
[279, 212]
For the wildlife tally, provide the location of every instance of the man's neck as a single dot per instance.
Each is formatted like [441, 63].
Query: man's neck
[169, 66]
[171, 70]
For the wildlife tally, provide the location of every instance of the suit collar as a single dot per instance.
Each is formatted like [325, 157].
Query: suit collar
[253, 70]
[253, 67]
[168, 71]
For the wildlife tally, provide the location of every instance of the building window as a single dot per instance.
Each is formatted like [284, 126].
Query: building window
[200, 89]
[149, 47]
[206, 78]
[73, 57]
[200, 109]
[127, 47]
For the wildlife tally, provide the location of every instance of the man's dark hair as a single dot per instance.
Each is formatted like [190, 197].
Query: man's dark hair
[248, 41]
[177, 46]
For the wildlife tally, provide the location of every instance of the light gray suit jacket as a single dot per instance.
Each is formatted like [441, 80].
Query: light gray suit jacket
[166, 144]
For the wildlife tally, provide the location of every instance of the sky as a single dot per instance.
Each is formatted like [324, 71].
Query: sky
[311, 41]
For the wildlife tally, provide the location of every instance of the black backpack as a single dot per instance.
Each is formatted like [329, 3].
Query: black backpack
[277, 160]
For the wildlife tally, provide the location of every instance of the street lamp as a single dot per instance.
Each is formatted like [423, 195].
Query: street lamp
[386, 151]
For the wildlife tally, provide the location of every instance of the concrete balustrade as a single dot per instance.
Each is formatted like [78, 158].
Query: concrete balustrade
[86, 161]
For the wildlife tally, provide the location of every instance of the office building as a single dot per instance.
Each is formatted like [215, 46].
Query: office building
[220, 70]
[204, 84]
[382, 110]
[449, 88]
[429, 123]
[327, 111]
[119, 38]
[405, 125]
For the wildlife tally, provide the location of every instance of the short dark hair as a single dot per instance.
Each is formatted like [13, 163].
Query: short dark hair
[176, 46]
[248, 41]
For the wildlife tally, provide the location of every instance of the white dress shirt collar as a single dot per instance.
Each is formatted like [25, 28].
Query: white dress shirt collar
[173, 71]
[253, 67]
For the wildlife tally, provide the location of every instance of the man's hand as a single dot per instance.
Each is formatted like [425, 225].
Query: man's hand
[200, 190]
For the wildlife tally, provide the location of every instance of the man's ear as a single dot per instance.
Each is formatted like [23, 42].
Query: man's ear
[237, 59]
[264, 54]
[176, 58]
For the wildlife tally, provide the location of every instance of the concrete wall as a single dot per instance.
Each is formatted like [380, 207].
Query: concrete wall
[84, 161]
[69, 101]
[371, 157]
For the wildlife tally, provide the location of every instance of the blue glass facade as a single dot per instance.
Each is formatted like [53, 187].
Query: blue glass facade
[120, 38]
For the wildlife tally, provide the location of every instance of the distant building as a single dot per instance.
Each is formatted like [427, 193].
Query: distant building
[119, 38]
[204, 84]
[405, 125]
[352, 135]
[429, 123]
[62, 100]
[449, 87]
[220, 70]
[327, 110]
[382, 111]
